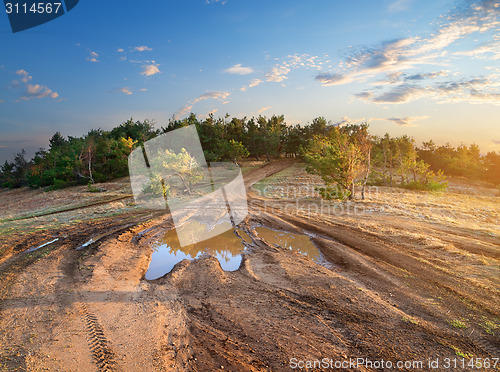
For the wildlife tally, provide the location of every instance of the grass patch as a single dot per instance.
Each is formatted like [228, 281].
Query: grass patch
[461, 354]
[457, 323]
[410, 319]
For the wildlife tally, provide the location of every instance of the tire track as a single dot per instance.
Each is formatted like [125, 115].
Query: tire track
[98, 344]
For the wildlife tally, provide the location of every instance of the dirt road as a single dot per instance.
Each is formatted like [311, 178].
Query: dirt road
[390, 297]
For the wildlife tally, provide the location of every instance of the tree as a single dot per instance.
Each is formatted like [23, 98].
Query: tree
[180, 166]
[340, 158]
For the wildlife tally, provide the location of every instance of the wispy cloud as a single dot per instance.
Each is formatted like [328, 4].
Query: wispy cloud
[239, 70]
[394, 57]
[447, 91]
[430, 75]
[346, 120]
[142, 48]
[264, 109]
[150, 68]
[217, 95]
[93, 57]
[279, 72]
[32, 90]
[496, 142]
[489, 50]
[125, 90]
[333, 79]
[399, 5]
[407, 121]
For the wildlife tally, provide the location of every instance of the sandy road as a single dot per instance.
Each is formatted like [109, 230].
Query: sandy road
[384, 299]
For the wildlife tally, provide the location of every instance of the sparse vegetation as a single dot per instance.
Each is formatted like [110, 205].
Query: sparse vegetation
[457, 323]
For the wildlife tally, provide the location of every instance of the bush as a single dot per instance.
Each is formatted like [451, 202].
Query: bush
[58, 184]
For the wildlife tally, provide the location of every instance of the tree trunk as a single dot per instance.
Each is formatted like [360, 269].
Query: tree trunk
[366, 176]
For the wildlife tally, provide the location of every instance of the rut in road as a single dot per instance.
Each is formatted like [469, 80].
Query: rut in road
[99, 345]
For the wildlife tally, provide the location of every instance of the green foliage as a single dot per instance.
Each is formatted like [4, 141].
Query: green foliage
[340, 157]
[178, 167]
[396, 163]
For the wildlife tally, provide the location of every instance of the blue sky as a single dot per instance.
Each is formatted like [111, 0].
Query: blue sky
[429, 69]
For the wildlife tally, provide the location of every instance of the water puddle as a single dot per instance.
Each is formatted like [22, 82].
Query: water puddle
[226, 247]
[41, 246]
[295, 242]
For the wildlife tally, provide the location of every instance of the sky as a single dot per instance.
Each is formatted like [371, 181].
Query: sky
[426, 68]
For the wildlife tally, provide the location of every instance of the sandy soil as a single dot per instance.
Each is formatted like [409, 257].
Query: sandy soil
[408, 283]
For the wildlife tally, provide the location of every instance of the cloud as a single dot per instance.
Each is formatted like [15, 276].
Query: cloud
[125, 90]
[279, 72]
[399, 6]
[401, 94]
[32, 90]
[93, 57]
[407, 121]
[221, 96]
[291, 62]
[430, 75]
[150, 69]
[120, 50]
[489, 50]
[142, 48]
[364, 95]
[24, 74]
[222, 2]
[448, 91]
[252, 84]
[393, 57]
[264, 109]
[332, 79]
[346, 120]
[496, 142]
[239, 70]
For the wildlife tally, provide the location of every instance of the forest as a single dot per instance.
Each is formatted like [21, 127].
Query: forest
[343, 156]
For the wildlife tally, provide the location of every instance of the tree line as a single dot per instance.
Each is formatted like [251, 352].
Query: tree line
[343, 155]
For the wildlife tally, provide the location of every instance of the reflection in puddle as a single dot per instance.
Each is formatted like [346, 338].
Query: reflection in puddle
[294, 242]
[226, 247]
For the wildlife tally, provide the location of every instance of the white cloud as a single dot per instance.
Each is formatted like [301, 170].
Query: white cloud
[486, 51]
[220, 96]
[150, 69]
[125, 90]
[264, 109]
[142, 48]
[239, 70]
[394, 57]
[93, 57]
[24, 74]
[120, 50]
[32, 90]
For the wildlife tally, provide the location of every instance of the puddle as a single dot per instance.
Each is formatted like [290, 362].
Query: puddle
[226, 247]
[295, 242]
[41, 246]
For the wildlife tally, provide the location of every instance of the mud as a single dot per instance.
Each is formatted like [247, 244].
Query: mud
[387, 296]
